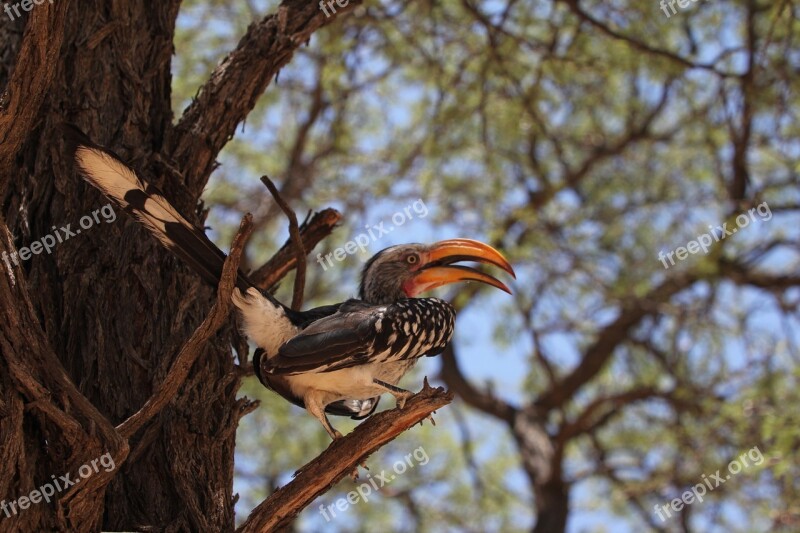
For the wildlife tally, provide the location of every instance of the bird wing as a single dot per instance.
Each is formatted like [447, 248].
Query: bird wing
[331, 342]
[360, 333]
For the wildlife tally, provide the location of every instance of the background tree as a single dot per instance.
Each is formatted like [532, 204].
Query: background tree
[583, 138]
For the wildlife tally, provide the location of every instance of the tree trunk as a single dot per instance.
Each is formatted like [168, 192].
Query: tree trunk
[542, 460]
[109, 305]
[112, 303]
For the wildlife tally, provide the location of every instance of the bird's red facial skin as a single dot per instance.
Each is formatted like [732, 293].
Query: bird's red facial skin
[410, 289]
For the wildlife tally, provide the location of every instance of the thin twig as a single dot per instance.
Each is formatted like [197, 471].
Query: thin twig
[297, 240]
[313, 232]
[191, 350]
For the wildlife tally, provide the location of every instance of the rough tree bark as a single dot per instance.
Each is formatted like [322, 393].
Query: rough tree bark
[108, 310]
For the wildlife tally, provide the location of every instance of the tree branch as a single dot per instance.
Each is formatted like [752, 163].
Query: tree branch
[193, 347]
[742, 275]
[231, 92]
[30, 83]
[482, 400]
[297, 241]
[341, 458]
[600, 409]
[639, 45]
[609, 338]
[313, 231]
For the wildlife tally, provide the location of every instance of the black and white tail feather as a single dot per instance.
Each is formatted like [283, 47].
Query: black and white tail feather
[148, 206]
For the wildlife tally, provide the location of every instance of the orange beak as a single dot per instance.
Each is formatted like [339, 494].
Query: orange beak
[437, 269]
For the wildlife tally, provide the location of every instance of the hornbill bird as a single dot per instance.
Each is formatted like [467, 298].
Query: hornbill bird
[337, 358]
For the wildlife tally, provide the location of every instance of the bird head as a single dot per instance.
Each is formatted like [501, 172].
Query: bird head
[407, 270]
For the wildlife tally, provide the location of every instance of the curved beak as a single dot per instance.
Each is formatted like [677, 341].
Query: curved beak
[437, 268]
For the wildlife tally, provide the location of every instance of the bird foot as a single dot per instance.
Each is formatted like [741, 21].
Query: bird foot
[402, 398]
[335, 435]
[354, 473]
[429, 417]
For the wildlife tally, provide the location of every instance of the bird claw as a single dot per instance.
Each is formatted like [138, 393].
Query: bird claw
[354, 473]
[429, 417]
[402, 399]
[336, 435]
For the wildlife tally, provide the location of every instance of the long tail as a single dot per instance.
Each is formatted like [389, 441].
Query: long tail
[147, 205]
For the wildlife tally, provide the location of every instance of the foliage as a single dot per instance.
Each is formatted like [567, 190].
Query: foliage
[583, 140]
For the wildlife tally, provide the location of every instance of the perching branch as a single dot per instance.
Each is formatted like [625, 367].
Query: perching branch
[297, 242]
[193, 347]
[341, 458]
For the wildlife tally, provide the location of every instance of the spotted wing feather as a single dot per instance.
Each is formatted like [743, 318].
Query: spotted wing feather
[360, 333]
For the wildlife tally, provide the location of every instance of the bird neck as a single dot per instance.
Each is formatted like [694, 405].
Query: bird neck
[382, 297]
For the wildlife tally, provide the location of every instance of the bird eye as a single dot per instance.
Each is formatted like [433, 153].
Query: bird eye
[412, 259]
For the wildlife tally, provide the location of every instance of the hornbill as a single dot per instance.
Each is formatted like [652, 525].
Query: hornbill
[337, 358]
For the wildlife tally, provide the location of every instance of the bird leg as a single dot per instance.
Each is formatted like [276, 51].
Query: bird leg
[401, 395]
[315, 407]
